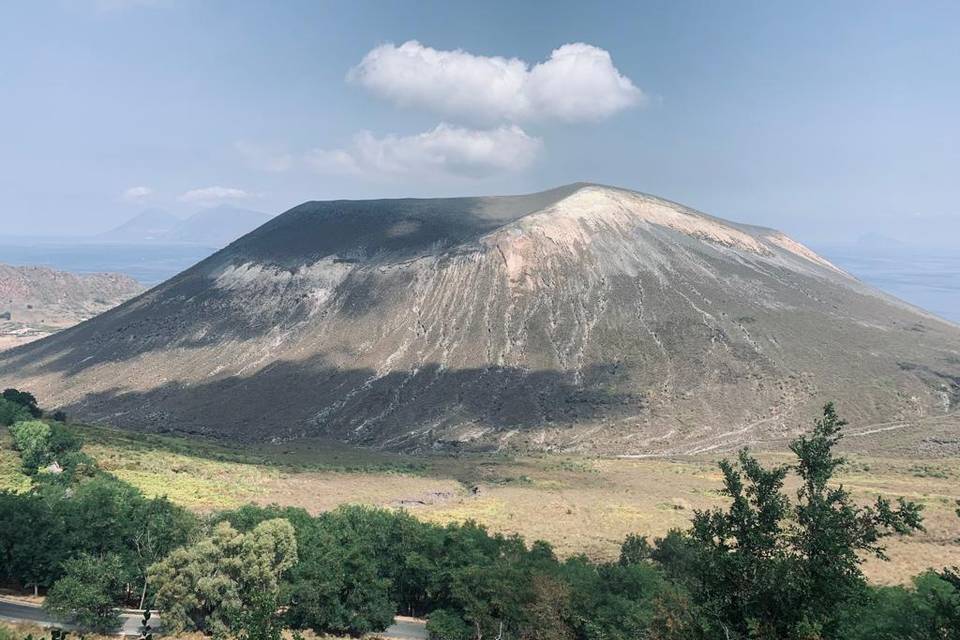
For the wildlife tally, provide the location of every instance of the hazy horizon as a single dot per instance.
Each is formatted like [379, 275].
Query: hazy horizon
[827, 122]
[835, 124]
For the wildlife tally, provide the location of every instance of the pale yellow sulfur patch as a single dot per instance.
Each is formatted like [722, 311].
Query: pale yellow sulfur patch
[796, 248]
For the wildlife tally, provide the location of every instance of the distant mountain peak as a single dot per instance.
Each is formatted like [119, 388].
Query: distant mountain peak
[213, 227]
[147, 226]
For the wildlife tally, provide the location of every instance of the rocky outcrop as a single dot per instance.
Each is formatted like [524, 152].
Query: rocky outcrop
[37, 301]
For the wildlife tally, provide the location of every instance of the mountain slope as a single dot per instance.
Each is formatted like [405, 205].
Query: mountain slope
[586, 317]
[35, 301]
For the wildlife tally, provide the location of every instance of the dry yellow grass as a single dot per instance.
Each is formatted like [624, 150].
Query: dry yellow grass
[592, 512]
[322, 491]
[580, 505]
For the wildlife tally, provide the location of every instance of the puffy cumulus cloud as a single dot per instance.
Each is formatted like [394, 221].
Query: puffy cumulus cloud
[136, 194]
[214, 195]
[446, 150]
[578, 82]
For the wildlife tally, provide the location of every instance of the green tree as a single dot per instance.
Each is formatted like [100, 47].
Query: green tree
[99, 516]
[259, 620]
[491, 597]
[98, 513]
[205, 586]
[930, 610]
[769, 568]
[159, 527]
[447, 625]
[611, 601]
[677, 555]
[41, 444]
[11, 413]
[634, 550]
[32, 440]
[337, 586]
[937, 605]
[550, 612]
[831, 531]
[31, 540]
[63, 440]
[486, 579]
[88, 592]
[24, 399]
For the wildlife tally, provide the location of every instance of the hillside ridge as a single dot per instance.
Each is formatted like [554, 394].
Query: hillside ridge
[580, 318]
[36, 300]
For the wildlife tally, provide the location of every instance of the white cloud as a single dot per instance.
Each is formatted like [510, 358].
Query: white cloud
[264, 158]
[444, 150]
[578, 82]
[214, 195]
[136, 194]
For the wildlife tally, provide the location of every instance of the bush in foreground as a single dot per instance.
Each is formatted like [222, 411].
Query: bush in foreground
[207, 585]
[24, 399]
[771, 568]
[41, 444]
[11, 413]
[88, 592]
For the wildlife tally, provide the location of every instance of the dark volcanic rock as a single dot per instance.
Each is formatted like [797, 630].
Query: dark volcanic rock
[585, 317]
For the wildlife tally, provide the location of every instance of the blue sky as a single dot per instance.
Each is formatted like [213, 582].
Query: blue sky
[826, 120]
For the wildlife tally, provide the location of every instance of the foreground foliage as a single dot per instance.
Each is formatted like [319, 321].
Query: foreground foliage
[769, 566]
[204, 586]
[88, 591]
[42, 444]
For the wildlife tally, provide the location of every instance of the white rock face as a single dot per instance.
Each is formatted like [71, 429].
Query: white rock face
[584, 318]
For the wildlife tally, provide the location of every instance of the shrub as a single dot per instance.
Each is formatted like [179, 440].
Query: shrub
[634, 550]
[24, 399]
[338, 587]
[447, 625]
[32, 440]
[88, 592]
[769, 567]
[41, 444]
[204, 586]
[11, 413]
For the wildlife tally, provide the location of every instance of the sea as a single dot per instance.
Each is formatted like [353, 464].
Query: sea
[926, 278]
[149, 264]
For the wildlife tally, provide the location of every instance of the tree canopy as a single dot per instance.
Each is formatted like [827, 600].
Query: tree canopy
[206, 585]
[771, 564]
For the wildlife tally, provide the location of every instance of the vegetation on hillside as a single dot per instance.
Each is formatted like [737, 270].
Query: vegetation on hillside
[768, 565]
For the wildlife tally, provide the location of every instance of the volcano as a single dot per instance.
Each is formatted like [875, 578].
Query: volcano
[585, 318]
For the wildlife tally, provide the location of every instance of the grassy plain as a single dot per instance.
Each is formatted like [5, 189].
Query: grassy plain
[579, 504]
